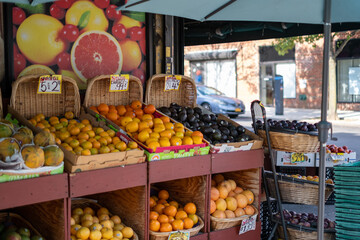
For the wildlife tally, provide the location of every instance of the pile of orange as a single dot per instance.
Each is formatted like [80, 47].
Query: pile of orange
[170, 216]
[80, 137]
[229, 200]
[141, 124]
[88, 224]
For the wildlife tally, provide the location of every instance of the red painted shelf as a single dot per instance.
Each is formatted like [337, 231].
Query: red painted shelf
[233, 233]
[178, 168]
[107, 180]
[34, 190]
[240, 160]
[200, 236]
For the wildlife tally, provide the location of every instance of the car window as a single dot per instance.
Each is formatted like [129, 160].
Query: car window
[208, 91]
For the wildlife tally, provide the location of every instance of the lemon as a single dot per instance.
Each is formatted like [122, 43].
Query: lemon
[36, 69]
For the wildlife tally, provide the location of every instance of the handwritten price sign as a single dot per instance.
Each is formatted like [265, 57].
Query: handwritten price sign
[248, 224]
[183, 235]
[172, 83]
[119, 83]
[298, 157]
[50, 84]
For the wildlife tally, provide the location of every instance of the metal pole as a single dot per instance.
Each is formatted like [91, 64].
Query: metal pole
[324, 125]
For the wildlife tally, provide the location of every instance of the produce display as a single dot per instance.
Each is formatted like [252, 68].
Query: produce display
[19, 149]
[11, 231]
[146, 126]
[78, 137]
[335, 149]
[304, 219]
[166, 215]
[288, 125]
[86, 223]
[308, 178]
[229, 200]
[215, 130]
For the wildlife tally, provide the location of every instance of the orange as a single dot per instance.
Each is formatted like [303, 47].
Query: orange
[242, 200]
[162, 201]
[197, 139]
[86, 223]
[91, 133]
[155, 135]
[181, 215]
[147, 117]
[166, 133]
[175, 141]
[159, 128]
[154, 215]
[249, 210]
[169, 125]
[194, 217]
[159, 208]
[75, 228]
[121, 110]
[164, 142]
[143, 136]
[95, 235]
[40, 125]
[96, 144]
[85, 121]
[78, 150]
[154, 225]
[163, 194]
[86, 152]
[187, 141]
[190, 208]
[96, 226]
[152, 202]
[177, 225]
[165, 119]
[136, 104]
[102, 211]
[153, 145]
[197, 133]
[104, 149]
[93, 108]
[127, 232]
[150, 123]
[83, 135]
[249, 195]
[117, 235]
[115, 140]
[163, 218]
[94, 151]
[188, 223]
[158, 121]
[83, 233]
[132, 145]
[88, 210]
[129, 108]
[139, 113]
[170, 211]
[108, 139]
[86, 145]
[121, 146]
[149, 109]
[175, 204]
[103, 107]
[130, 114]
[33, 121]
[171, 219]
[166, 227]
[113, 110]
[107, 233]
[77, 211]
[112, 116]
[143, 125]
[103, 217]
[125, 120]
[104, 134]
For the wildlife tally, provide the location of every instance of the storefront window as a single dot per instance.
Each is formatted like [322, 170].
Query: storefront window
[348, 80]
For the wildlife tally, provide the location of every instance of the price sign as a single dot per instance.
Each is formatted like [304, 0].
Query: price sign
[337, 156]
[183, 235]
[172, 83]
[119, 83]
[248, 224]
[50, 84]
[298, 157]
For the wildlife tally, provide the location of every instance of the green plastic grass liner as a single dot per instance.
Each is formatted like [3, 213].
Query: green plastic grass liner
[347, 179]
[343, 237]
[347, 205]
[347, 166]
[346, 184]
[346, 220]
[339, 209]
[347, 192]
[347, 232]
[269, 174]
[355, 188]
[342, 198]
[347, 173]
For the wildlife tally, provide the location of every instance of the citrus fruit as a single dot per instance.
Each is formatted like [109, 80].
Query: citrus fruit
[163, 194]
[163, 218]
[194, 217]
[128, 22]
[190, 208]
[177, 224]
[170, 211]
[83, 233]
[181, 215]
[132, 53]
[188, 223]
[95, 53]
[165, 227]
[37, 38]
[249, 195]
[96, 19]
[154, 225]
[36, 69]
[127, 232]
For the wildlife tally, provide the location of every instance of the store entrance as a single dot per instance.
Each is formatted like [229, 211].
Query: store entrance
[267, 84]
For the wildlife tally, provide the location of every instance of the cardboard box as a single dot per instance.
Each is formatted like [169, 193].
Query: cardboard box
[294, 159]
[333, 159]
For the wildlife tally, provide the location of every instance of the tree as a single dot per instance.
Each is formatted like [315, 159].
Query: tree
[283, 45]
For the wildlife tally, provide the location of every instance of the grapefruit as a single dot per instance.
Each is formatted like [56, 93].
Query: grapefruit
[132, 54]
[95, 53]
[37, 38]
[36, 69]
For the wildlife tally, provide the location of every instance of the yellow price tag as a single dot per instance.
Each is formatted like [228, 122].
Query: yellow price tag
[50, 84]
[172, 82]
[119, 83]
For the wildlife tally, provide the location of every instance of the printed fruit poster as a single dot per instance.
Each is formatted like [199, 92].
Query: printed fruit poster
[78, 38]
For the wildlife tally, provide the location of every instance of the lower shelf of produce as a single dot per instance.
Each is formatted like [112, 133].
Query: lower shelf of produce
[108, 179]
[233, 233]
[166, 170]
[240, 160]
[34, 190]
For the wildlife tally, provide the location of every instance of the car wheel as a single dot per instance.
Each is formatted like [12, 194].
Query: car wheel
[206, 106]
[233, 115]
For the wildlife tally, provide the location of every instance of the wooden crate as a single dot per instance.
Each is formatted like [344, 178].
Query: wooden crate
[155, 94]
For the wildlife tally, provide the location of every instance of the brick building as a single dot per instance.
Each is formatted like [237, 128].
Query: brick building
[255, 63]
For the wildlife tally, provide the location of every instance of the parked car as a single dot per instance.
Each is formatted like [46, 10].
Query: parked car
[216, 102]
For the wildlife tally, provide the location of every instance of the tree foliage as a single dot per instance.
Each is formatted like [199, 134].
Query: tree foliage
[284, 45]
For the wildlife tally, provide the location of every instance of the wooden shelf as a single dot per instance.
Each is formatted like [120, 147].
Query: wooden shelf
[166, 170]
[200, 236]
[233, 233]
[233, 161]
[34, 190]
[108, 179]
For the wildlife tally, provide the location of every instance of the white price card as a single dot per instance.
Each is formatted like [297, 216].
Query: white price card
[50, 84]
[119, 83]
[183, 235]
[172, 82]
[248, 224]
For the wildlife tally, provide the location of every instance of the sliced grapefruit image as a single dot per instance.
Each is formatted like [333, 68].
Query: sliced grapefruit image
[95, 53]
[37, 69]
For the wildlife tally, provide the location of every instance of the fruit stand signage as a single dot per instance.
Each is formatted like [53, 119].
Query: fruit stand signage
[298, 157]
[119, 83]
[179, 235]
[248, 224]
[172, 83]
[50, 84]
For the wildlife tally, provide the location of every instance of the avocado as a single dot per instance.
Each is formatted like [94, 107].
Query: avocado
[234, 133]
[196, 115]
[231, 138]
[224, 137]
[195, 125]
[207, 130]
[165, 111]
[201, 123]
[216, 136]
[213, 117]
[240, 129]
[223, 123]
[215, 126]
[191, 118]
[224, 130]
[182, 116]
[198, 110]
[206, 118]
[174, 115]
[173, 104]
[189, 110]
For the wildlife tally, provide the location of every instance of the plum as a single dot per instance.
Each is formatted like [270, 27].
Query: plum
[307, 224]
[294, 221]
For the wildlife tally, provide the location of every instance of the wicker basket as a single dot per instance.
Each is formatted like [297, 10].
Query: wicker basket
[18, 221]
[297, 234]
[294, 191]
[26, 101]
[84, 202]
[98, 92]
[223, 223]
[155, 94]
[291, 142]
[1, 106]
[165, 235]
